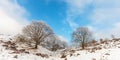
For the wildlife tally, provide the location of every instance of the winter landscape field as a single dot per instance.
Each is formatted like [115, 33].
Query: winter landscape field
[104, 50]
[59, 29]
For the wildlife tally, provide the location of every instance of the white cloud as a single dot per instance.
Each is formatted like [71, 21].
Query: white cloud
[62, 38]
[72, 24]
[12, 17]
[74, 9]
[104, 16]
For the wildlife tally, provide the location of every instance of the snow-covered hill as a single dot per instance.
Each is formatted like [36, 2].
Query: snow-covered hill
[9, 50]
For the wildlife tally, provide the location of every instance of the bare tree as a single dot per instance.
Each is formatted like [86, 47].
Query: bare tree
[21, 39]
[54, 43]
[82, 35]
[37, 31]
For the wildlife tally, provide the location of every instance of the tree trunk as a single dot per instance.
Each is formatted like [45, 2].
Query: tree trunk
[36, 46]
[83, 46]
[83, 42]
[36, 42]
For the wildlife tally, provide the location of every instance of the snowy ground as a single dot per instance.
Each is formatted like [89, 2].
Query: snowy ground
[109, 51]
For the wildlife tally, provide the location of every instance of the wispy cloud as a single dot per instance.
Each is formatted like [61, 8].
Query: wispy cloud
[104, 16]
[62, 38]
[75, 8]
[12, 17]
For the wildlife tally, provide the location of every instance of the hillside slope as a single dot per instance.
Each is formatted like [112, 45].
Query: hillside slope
[9, 50]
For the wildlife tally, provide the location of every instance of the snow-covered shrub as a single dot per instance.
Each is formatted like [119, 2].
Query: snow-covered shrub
[21, 39]
[54, 43]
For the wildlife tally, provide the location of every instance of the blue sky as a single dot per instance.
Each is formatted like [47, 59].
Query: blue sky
[54, 12]
[64, 16]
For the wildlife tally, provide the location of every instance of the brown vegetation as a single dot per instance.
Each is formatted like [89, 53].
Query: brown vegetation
[42, 55]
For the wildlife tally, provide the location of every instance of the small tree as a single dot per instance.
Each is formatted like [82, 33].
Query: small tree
[21, 39]
[82, 35]
[54, 43]
[37, 31]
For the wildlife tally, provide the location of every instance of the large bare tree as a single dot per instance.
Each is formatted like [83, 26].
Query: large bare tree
[82, 35]
[37, 31]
